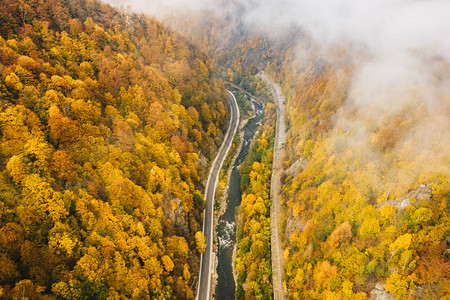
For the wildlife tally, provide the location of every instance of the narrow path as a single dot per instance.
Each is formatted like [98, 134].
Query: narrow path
[206, 260]
[275, 191]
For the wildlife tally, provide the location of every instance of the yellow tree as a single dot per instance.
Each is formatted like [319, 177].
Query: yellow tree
[200, 241]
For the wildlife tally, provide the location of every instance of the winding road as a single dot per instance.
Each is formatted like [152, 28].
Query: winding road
[207, 259]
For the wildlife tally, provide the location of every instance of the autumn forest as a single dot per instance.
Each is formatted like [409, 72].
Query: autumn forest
[110, 121]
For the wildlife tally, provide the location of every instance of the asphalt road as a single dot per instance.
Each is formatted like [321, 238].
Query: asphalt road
[206, 260]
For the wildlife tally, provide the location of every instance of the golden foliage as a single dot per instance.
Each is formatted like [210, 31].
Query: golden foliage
[103, 120]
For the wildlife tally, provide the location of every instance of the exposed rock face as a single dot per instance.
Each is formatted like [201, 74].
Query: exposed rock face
[421, 194]
[294, 169]
[178, 217]
[202, 164]
[380, 293]
[292, 225]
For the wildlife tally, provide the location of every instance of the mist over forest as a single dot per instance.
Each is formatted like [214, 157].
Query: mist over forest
[112, 114]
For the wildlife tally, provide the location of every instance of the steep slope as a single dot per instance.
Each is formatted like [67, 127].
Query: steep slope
[236, 50]
[107, 123]
[366, 186]
[366, 183]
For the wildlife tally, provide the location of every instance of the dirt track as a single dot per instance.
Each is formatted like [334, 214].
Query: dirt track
[275, 191]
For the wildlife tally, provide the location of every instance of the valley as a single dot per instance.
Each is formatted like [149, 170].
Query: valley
[224, 149]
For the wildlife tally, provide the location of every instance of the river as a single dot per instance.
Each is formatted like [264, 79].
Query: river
[226, 229]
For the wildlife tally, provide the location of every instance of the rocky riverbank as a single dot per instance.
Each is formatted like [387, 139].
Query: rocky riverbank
[224, 199]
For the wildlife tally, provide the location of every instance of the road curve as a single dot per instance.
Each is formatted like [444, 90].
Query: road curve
[206, 259]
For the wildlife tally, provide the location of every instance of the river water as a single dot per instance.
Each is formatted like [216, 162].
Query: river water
[226, 229]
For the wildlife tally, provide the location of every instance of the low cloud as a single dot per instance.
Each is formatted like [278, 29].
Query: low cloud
[406, 47]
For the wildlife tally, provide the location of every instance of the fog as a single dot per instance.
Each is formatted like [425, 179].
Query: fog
[406, 45]
[401, 35]
[165, 7]
[408, 42]
[390, 26]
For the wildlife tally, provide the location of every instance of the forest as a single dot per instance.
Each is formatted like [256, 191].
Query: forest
[360, 208]
[365, 192]
[108, 122]
[253, 259]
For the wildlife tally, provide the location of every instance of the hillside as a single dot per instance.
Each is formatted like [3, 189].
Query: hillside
[107, 123]
[109, 120]
[366, 186]
[366, 172]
